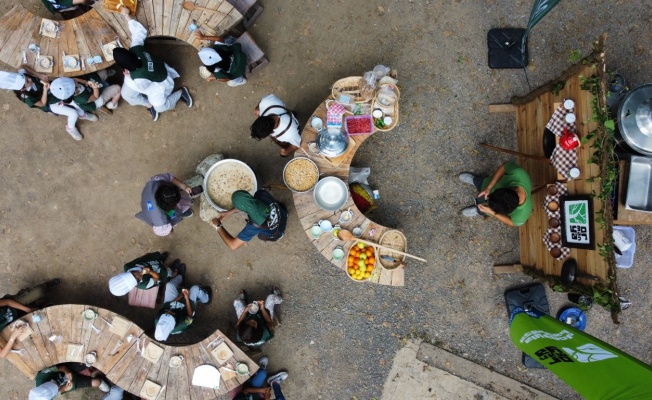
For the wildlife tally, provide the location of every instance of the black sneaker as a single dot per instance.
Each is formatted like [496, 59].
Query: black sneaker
[153, 113]
[185, 96]
[187, 214]
[209, 291]
[181, 270]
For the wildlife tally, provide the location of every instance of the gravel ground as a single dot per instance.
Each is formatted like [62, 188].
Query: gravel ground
[67, 208]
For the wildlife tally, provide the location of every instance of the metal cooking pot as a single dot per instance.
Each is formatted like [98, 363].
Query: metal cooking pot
[332, 142]
[207, 180]
[635, 119]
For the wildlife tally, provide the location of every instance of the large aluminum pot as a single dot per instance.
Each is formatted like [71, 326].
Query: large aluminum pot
[219, 167]
[635, 119]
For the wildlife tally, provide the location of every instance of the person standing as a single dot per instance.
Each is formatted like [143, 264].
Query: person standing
[148, 80]
[165, 202]
[178, 309]
[225, 63]
[266, 217]
[277, 122]
[508, 194]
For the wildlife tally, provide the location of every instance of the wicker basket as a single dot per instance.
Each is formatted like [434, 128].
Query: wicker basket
[351, 86]
[374, 105]
[346, 268]
[396, 240]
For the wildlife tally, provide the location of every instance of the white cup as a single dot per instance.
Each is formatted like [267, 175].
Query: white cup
[570, 118]
[377, 113]
[574, 172]
[388, 120]
[325, 225]
[569, 104]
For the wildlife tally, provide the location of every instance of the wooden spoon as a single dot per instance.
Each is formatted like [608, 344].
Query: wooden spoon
[190, 6]
[343, 234]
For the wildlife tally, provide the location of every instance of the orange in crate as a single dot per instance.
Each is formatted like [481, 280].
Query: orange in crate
[360, 262]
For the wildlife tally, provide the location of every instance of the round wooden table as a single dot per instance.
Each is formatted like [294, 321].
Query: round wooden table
[309, 212]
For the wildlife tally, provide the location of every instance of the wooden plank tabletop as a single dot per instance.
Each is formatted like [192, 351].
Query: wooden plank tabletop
[531, 119]
[118, 357]
[310, 213]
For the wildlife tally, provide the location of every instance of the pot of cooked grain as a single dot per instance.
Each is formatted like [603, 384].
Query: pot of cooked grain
[300, 174]
[224, 178]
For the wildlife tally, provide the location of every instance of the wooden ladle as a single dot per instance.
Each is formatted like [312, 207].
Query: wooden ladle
[190, 6]
[343, 234]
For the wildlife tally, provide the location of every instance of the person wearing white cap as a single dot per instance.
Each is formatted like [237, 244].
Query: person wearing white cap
[93, 92]
[145, 273]
[62, 379]
[176, 315]
[63, 89]
[148, 80]
[225, 63]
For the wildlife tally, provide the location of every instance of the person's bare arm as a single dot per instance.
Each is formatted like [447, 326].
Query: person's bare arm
[186, 295]
[44, 96]
[494, 179]
[182, 185]
[266, 316]
[154, 275]
[233, 242]
[126, 13]
[16, 305]
[10, 343]
[242, 316]
[502, 218]
[30, 71]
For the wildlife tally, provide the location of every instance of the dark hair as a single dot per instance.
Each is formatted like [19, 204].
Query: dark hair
[262, 127]
[249, 334]
[23, 94]
[503, 201]
[167, 196]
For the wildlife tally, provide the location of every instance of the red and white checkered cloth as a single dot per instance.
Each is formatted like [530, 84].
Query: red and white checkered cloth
[334, 114]
[564, 160]
[565, 251]
[561, 190]
[558, 122]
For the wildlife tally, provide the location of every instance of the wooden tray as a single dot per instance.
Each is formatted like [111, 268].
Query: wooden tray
[107, 49]
[336, 161]
[150, 390]
[74, 69]
[112, 5]
[38, 68]
[42, 30]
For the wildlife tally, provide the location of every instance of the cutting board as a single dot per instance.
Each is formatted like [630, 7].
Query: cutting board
[26, 333]
[222, 353]
[152, 353]
[112, 5]
[150, 390]
[47, 23]
[73, 69]
[107, 49]
[38, 68]
[120, 326]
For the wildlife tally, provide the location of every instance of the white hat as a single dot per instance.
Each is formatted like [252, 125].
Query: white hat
[164, 327]
[121, 284]
[11, 80]
[209, 56]
[63, 88]
[46, 391]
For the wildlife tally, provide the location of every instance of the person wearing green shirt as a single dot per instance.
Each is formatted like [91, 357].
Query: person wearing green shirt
[145, 272]
[63, 378]
[65, 5]
[506, 195]
[178, 309]
[255, 324]
[225, 62]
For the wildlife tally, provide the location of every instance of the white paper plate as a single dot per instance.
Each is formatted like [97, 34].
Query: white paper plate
[206, 376]
[316, 123]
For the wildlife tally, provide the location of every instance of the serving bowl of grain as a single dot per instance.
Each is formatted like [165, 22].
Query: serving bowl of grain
[226, 177]
[300, 174]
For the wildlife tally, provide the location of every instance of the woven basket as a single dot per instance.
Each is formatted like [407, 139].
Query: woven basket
[351, 86]
[374, 105]
[396, 240]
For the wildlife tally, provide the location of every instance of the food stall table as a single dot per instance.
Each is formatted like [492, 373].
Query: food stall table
[532, 114]
[63, 335]
[309, 212]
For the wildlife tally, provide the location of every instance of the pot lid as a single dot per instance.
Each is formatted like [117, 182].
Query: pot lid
[332, 143]
[635, 119]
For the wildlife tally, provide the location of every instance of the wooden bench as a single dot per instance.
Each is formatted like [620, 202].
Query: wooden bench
[256, 59]
[81, 36]
[143, 298]
[250, 10]
[309, 212]
[117, 357]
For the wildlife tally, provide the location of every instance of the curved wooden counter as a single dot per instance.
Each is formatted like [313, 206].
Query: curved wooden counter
[126, 368]
[309, 212]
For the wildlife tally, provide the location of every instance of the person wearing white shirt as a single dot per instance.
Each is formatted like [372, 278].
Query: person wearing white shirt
[148, 80]
[277, 122]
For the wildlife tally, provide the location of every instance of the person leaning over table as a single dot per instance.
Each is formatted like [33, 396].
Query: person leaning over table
[508, 194]
[178, 309]
[277, 122]
[63, 378]
[32, 88]
[164, 202]
[148, 80]
[226, 63]
[266, 217]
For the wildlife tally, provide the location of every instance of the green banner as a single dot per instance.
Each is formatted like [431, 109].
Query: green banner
[539, 10]
[595, 369]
